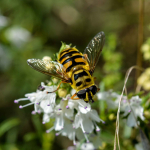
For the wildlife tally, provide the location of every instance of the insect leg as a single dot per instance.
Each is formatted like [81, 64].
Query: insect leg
[74, 96]
[58, 86]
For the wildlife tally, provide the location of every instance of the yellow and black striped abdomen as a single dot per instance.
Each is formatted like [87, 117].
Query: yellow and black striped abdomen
[71, 58]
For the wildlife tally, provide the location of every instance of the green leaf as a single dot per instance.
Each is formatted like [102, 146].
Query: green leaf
[130, 95]
[64, 46]
[145, 98]
[127, 131]
[30, 136]
[8, 124]
[38, 125]
[8, 147]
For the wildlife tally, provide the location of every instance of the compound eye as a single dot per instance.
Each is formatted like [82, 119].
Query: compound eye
[82, 94]
[93, 89]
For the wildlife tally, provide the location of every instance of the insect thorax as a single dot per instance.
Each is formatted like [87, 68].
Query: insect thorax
[72, 60]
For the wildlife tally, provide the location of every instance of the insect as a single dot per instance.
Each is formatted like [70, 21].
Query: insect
[75, 68]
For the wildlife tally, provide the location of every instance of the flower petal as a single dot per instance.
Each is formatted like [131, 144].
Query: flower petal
[84, 110]
[59, 123]
[88, 125]
[77, 120]
[46, 118]
[69, 113]
[46, 106]
[131, 122]
[94, 115]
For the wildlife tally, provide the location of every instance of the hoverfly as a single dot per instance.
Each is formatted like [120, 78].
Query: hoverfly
[75, 68]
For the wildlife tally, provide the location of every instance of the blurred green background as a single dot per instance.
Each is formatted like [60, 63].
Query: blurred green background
[34, 29]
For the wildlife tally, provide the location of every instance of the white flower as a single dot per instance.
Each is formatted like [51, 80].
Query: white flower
[46, 118]
[71, 124]
[83, 146]
[42, 100]
[87, 121]
[131, 107]
[110, 98]
[139, 146]
[68, 130]
[3, 21]
[80, 104]
[134, 109]
[94, 143]
[17, 36]
[73, 118]
[87, 146]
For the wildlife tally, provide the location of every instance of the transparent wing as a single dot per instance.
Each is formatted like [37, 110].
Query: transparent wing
[94, 49]
[51, 68]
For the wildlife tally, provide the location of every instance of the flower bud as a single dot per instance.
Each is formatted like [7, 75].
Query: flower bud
[147, 114]
[49, 83]
[111, 117]
[62, 93]
[55, 80]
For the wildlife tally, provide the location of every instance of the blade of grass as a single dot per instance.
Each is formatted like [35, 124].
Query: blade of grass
[8, 124]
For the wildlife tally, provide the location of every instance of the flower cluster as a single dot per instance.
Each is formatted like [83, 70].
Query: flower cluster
[73, 118]
[131, 108]
[76, 119]
[18, 36]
